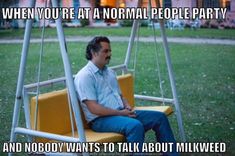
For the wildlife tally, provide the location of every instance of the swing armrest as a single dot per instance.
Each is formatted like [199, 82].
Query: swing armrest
[165, 109]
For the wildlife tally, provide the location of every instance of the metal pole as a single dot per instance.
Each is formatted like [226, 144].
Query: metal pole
[131, 41]
[20, 82]
[69, 77]
[47, 135]
[132, 38]
[27, 112]
[172, 81]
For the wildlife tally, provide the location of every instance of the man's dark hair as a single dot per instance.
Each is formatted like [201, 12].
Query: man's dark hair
[94, 45]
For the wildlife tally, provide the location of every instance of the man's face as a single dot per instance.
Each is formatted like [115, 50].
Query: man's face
[103, 57]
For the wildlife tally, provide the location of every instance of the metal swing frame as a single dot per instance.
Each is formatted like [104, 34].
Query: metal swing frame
[21, 91]
[21, 95]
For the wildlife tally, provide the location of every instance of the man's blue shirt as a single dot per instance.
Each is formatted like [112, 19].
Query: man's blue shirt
[100, 85]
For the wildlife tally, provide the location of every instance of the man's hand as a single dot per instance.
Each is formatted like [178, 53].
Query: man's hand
[128, 112]
[126, 104]
[100, 110]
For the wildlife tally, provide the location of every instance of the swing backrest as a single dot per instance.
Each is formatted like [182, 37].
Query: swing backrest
[53, 109]
[53, 113]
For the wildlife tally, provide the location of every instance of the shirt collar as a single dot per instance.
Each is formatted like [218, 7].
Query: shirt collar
[95, 69]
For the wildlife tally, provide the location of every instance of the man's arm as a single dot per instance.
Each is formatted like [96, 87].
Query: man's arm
[99, 110]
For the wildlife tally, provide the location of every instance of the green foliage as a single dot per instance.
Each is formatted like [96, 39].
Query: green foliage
[122, 31]
[126, 23]
[84, 22]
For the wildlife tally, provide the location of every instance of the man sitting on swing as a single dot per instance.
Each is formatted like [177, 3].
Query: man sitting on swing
[104, 107]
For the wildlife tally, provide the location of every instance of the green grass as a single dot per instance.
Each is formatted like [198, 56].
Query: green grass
[205, 81]
[122, 31]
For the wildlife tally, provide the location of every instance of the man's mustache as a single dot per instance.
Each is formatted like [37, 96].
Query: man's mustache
[108, 58]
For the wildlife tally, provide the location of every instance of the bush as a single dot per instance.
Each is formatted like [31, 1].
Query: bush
[144, 23]
[206, 24]
[84, 22]
[129, 23]
[126, 23]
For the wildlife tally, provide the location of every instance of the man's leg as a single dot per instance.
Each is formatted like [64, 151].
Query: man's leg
[130, 127]
[158, 122]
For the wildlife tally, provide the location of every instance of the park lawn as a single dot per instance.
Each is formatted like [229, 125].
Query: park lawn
[122, 31]
[205, 81]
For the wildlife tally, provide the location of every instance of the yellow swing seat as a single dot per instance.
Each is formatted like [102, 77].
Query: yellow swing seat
[54, 115]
